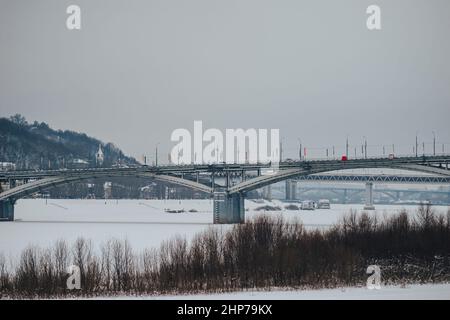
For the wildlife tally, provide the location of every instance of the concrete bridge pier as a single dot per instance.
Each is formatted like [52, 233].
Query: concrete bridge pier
[344, 196]
[291, 190]
[228, 209]
[7, 210]
[267, 192]
[369, 197]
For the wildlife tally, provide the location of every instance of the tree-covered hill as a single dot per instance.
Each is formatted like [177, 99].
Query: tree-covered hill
[36, 145]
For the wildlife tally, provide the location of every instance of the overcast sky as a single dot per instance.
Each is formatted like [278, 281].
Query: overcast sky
[137, 70]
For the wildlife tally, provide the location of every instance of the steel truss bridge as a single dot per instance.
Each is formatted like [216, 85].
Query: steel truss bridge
[239, 179]
[344, 192]
[296, 186]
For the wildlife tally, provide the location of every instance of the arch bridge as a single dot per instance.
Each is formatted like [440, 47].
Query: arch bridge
[238, 179]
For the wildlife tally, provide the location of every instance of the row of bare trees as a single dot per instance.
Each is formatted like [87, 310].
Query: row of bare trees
[266, 252]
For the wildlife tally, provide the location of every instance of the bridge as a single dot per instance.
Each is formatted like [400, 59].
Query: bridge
[345, 191]
[229, 197]
[368, 179]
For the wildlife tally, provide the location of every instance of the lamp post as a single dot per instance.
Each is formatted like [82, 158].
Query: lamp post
[434, 143]
[417, 144]
[365, 148]
[156, 155]
[281, 150]
[299, 149]
[346, 148]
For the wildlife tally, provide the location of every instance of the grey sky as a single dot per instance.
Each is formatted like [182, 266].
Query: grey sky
[139, 69]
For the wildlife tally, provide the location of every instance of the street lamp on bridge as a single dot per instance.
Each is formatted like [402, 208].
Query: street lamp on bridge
[417, 144]
[434, 143]
[156, 154]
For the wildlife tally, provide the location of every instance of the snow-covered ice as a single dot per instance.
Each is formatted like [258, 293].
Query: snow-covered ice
[144, 223]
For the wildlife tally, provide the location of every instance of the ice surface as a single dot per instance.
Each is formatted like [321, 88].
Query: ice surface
[142, 222]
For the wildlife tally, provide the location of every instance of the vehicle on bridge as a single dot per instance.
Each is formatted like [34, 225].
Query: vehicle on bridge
[323, 204]
[308, 205]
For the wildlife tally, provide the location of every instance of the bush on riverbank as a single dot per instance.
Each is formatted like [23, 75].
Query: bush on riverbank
[265, 252]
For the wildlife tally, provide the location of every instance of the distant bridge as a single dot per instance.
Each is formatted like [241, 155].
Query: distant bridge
[229, 199]
[292, 190]
[344, 192]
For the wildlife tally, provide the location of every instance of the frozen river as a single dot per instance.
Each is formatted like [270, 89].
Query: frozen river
[144, 223]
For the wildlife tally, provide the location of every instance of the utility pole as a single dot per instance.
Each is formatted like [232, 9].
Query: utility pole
[434, 143]
[156, 155]
[281, 150]
[299, 149]
[365, 147]
[346, 148]
[217, 153]
[417, 145]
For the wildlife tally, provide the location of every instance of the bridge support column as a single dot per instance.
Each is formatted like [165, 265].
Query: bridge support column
[369, 196]
[267, 192]
[228, 209]
[344, 197]
[291, 190]
[7, 210]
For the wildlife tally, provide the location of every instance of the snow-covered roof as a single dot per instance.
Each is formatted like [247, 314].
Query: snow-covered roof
[80, 161]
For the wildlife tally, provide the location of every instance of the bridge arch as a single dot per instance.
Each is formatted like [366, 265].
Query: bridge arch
[285, 174]
[49, 182]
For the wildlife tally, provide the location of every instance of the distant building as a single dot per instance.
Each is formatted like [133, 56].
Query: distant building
[7, 166]
[79, 164]
[107, 188]
[99, 156]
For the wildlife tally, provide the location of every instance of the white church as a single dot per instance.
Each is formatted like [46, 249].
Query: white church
[99, 156]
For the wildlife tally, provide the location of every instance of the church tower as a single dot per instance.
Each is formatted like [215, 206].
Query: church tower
[99, 157]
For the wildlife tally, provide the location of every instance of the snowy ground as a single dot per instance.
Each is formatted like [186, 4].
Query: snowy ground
[409, 292]
[142, 222]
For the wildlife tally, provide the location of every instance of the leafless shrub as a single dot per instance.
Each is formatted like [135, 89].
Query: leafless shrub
[61, 262]
[122, 265]
[27, 274]
[106, 266]
[426, 216]
[5, 284]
